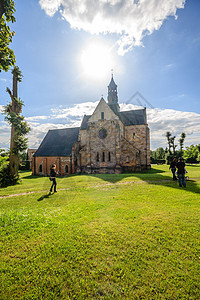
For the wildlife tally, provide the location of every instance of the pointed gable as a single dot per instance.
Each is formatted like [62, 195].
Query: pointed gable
[103, 111]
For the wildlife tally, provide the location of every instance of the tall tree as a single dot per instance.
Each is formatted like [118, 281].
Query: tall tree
[7, 57]
[19, 127]
[168, 136]
[181, 141]
[172, 141]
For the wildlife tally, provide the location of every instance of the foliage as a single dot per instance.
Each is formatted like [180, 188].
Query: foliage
[19, 127]
[158, 156]
[118, 236]
[181, 140]
[4, 153]
[7, 57]
[171, 144]
[13, 116]
[6, 178]
[168, 136]
[192, 154]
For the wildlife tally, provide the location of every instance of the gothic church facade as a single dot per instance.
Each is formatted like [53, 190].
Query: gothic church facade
[108, 141]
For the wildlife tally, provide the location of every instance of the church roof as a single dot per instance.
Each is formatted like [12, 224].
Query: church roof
[133, 117]
[85, 122]
[112, 83]
[58, 142]
[128, 118]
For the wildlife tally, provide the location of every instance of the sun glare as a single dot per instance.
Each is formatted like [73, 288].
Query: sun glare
[96, 60]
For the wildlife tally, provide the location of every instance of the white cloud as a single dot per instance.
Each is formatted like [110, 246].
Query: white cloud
[131, 20]
[36, 118]
[78, 110]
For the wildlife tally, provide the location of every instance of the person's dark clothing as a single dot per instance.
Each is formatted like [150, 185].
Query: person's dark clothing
[181, 173]
[181, 167]
[173, 169]
[53, 178]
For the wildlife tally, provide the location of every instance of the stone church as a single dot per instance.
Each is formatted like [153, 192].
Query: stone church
[108, 141]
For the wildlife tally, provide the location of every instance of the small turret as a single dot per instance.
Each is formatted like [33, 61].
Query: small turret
[112, 96]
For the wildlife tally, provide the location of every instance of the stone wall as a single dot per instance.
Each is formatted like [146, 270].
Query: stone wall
[125, 148]
[139, 137]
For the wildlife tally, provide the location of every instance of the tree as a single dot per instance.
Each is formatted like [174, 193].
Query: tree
[160, 152]
[7, 57]
[19, 127]
[168, 136]
[191, 154]
[181, 141]
[172, 142]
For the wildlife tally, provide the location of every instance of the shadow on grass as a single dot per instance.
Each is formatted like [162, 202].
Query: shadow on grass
[45, 197]
[152, 176]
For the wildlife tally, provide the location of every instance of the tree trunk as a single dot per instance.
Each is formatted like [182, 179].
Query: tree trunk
[1, 9]
[14, 156]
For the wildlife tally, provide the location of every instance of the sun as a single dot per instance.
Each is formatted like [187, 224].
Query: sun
[97, 60]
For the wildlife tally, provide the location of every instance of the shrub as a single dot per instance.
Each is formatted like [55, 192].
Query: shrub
[5, 177]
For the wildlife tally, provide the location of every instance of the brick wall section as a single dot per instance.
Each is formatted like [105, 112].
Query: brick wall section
[46, 163]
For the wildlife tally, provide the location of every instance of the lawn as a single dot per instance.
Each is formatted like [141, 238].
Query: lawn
[125, 236]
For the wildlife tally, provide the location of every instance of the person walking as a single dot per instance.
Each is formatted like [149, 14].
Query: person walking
[173, 168]
[52, 177]
[181, 172]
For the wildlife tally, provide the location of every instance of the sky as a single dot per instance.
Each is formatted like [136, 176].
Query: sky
[67, 51]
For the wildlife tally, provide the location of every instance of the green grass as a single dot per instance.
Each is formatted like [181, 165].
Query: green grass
[125, 236]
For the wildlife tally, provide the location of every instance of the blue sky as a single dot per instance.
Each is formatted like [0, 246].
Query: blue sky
[153, 47]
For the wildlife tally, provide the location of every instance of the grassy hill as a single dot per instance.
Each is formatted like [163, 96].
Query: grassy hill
[125, 236]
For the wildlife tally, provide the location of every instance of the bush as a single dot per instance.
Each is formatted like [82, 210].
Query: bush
[157, 161]
[5, 177]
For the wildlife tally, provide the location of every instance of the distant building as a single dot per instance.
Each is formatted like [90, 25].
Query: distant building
[30, 154]
[108, 141]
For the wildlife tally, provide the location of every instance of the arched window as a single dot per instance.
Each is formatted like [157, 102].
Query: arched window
[66, 169]
[103, 156]
[133, 135]
[97, 156]
[40, 168]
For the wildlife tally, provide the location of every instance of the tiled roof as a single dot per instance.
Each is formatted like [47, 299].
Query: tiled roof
[58, 142]
[85, 122]
[133, 117]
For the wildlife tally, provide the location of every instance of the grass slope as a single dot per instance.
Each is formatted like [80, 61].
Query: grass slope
[126, 236]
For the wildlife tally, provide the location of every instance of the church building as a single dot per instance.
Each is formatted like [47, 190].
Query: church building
[108, 141]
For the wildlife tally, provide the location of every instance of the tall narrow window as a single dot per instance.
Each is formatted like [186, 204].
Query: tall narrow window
[102, 115]
[66, 169]
[103, 156]
[97, 156]
[109, 156]
[133, 135]
[40, 168]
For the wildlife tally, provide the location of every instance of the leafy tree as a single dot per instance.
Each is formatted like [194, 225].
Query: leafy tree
[191, 154]
[5, 177]
[19, 127]
[168, 136]
[160, 153]
[4, 153]
[172, 142]
[7, 57]
[181, 141]
[157, 156]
